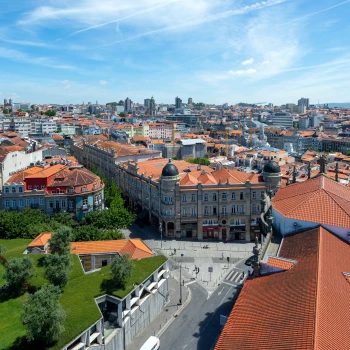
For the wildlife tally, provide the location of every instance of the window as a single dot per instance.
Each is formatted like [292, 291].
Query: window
[214, 197]
[83, 189]
[14, 203]
[13, 189]
[233, 209]
[206, 197]
[262, 194]
[7, 190]
[21, 203]
[233, 196]
[51, 204]
[184, 212]
[20, 189]
[63, 203]
[241, 209]
[7, 203]
[206, 212]
[41, 201]
[36, 187]
[214, 210]
[193, 197]
[223, 196]
[42, 186]
[57, 205]
[27, 202]
[193, 211]
[71, 190]
[224, 209]
[70, 203]
[254, 209]
[241, 196]
[85, 202]
[184, 198]
[254, 195]
[30, 187]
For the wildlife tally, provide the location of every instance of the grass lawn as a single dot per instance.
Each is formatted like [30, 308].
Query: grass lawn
[77, 298]
[2, 271]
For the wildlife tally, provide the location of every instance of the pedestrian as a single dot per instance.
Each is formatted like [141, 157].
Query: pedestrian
[195, 268]
[243, 275]
[174, 251]
[222, 256]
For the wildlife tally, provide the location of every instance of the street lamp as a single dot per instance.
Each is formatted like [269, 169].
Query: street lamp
[161, 235]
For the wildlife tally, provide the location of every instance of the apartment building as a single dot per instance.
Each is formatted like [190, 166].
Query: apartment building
[197, 201]
[52, 188]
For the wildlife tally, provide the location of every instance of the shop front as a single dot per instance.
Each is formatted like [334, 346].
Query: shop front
[210, 232]
[189, 230]
[237, 230]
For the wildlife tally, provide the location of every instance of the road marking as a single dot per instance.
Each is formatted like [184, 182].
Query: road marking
[186, 284]
[185, 346]
[225, 296]
[221, 290]
[209, 294]
[230, 284]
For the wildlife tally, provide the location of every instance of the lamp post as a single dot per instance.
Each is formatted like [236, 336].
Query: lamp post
[161, 235]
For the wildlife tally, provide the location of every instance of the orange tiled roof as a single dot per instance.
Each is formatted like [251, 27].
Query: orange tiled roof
[41, 240]
[319, 200]
[135, 247]
[306, 307]
[280, 263]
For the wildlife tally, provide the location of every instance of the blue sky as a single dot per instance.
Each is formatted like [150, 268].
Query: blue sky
[216, 51]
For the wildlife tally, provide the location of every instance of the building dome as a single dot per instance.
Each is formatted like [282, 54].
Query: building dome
[170, 170]
[271, 167]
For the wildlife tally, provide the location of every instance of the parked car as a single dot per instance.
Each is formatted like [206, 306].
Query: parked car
[250, 261]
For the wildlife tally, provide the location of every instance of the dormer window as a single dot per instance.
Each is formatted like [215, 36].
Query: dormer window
[13, 189]
[71, 190]
[7, 190]
[83, 189]
[30, 187]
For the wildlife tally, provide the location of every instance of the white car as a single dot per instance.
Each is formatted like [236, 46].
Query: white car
[152, 343]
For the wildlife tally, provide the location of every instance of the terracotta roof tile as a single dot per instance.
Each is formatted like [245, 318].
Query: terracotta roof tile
[305, 307]
[41, 240]
[281, 263]
[319, 200]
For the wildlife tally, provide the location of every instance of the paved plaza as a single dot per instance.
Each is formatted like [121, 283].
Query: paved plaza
[192, 254]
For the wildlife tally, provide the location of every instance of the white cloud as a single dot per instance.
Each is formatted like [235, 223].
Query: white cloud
[18, 56]
[103, 82]
[246, 62]
[67, 87]
[242, 71]
[65, 82]
[26, 43]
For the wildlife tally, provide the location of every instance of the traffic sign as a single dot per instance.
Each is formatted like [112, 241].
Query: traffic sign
[210, 269]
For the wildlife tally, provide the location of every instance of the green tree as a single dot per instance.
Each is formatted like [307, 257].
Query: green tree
[18, 273]
[122, 114]
[121, 269]
[50, 113]
[6, 111]
[106, 235]
[348, 154]
[57, 269]
[19, 110]
[120, 103]
[63, 218]
[60, 241]
[44, 315]
[201, 161]
[86, 233]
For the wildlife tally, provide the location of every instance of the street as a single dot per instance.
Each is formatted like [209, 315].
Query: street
[198, 326]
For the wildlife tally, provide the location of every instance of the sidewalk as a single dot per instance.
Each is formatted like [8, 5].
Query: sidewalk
[167, 316]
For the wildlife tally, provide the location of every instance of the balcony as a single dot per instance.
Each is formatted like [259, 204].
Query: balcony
[85, 207]
[223, 214]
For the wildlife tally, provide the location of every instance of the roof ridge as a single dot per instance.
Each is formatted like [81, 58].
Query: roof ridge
[330, 194]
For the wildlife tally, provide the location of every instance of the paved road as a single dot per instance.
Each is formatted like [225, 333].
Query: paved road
[198, 326]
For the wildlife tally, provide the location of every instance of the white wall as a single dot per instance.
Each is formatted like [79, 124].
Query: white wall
[18, 160]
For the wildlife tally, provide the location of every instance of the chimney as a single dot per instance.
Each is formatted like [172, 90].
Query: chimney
[336, 171]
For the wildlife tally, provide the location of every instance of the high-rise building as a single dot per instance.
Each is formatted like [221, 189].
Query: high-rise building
[5, 102]
[190, 100]
[178, 102]
[152, 106]
[147, 103]
[127, 105]
[304, 102]
[10, 101]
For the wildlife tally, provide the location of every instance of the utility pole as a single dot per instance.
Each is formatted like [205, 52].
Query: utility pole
[161, 235]
[180, 287]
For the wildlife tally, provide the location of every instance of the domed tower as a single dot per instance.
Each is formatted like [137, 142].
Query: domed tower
[272, 175]
[170, 199]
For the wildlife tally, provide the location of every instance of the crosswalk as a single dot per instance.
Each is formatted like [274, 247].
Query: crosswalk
[236, 277]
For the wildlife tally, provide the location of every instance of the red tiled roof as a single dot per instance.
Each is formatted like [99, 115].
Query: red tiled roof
[41, 240]
[281, 263]
[319, 200]
[306, 307]
[135, 247]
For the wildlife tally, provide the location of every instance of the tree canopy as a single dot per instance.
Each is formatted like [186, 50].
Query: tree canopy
[5, 111]
[60, 241]
[201, 161]
[44, 315]
[18, 272]
[121, 269]
[50, 112]
[57, 268]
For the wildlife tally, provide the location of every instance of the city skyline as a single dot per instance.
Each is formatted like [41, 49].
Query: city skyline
[274, 51]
